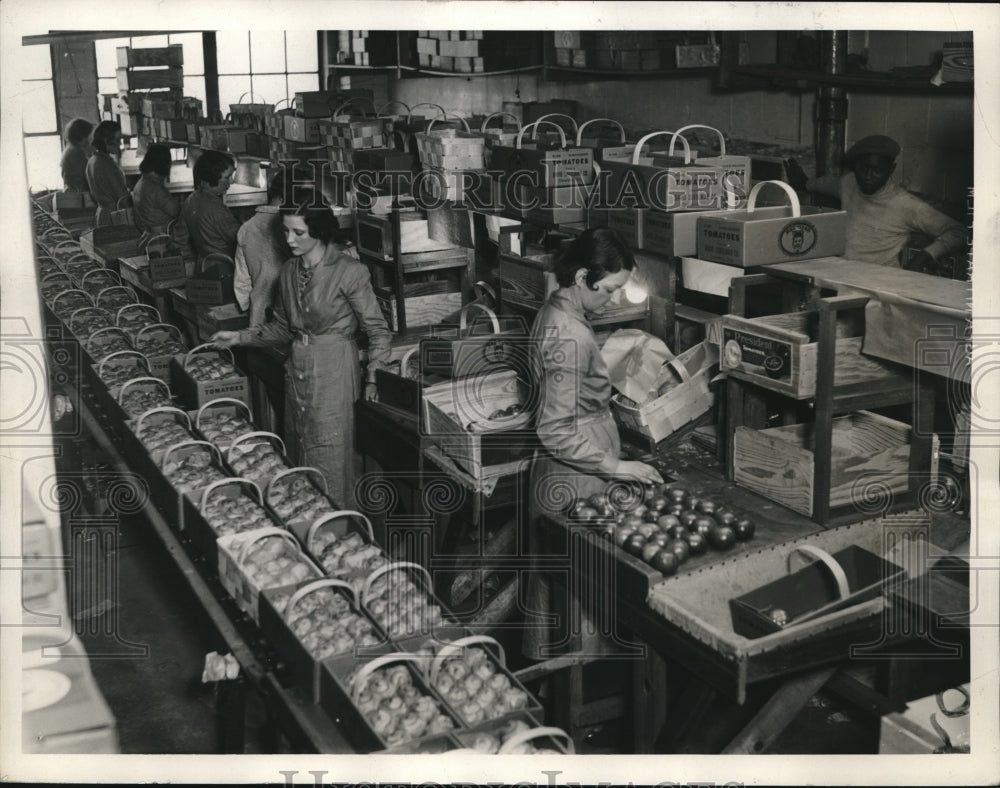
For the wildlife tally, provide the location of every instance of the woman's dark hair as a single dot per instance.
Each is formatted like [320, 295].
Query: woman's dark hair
[103, 133]
[77, 130]
[320, 221]
[210, 166]
[157, 159]
[599, 251]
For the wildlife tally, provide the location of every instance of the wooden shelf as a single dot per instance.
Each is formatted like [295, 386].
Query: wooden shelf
[872, 82]
[568, 72]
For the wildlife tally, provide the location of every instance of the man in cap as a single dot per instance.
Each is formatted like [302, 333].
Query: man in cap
[881, 215]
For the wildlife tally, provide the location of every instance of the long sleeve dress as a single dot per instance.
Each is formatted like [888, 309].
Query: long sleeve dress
[581, 448]
[107, 186]
[211, 226]
[154, 206]
[317, 316]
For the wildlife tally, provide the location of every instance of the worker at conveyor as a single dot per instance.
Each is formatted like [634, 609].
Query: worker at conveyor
[581, 446]
[73, 163]
[211, 226]
[881, 214]
[105, 178]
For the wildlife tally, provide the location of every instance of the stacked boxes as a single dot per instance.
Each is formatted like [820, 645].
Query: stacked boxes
[366, 48]
[150, 84]
[150, 102]
[456, 51]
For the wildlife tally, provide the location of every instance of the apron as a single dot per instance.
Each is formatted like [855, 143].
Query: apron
[554, 486]
[322, 383]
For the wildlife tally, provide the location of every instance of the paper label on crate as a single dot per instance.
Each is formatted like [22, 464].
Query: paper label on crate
[224, 389]
[751, 353]
[720, 241]
[797, 238]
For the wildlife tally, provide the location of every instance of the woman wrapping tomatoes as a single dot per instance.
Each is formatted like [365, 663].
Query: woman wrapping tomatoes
[325, 296]
[579, 437]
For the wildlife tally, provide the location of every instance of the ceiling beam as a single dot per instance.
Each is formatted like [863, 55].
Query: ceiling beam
[59, 36]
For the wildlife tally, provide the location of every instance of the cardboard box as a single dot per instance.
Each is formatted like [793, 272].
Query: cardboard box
[778, 234]
[703, 276]
[679, 183]
[196, 393]
[552, 167]
[301, 129]
[427, 46]
[559, 205]
[459, 48]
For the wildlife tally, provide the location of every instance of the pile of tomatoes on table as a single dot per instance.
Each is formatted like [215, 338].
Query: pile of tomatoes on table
[663, 525]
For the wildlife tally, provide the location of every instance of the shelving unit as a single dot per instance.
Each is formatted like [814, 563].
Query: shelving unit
[542, 61]
[396, 249]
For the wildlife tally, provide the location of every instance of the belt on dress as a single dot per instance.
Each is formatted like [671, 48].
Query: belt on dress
[315, 339]
[594, 418]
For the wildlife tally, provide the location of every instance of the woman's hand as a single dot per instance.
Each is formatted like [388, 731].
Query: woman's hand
[371, 393]
[633, 469]
[226, 338]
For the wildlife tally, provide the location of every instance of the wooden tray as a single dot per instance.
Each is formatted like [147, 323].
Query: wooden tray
[694, 609]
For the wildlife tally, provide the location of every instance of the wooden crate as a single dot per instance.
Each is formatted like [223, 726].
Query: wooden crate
[456, 417]
[421, 310]
[686, 401]
[172, 55]
[525, 281]
[151, 79]
[695, 606]
[779, 352]
[375, 236]
[778, 463]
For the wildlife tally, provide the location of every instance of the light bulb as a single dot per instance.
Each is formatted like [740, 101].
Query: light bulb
[634, 291]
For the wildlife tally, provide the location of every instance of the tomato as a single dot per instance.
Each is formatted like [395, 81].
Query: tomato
[674, 509]
[639, 510]
[691, 502]
[598, 501]
[649, 550]
[635, 543]
[745, 529]
[633, 521]
[646, 529]
[665, 562]
[677, 532]
[697, 544]
[724, 517]
[659, 538]
[585, 514]
[651, 516]
[721, 537]
[680, 548]
[687, 518]
[648, 493]
[705, 506]
[657, 503]
[676, 494]
[703, 525]
[622, 533]
[667, 521]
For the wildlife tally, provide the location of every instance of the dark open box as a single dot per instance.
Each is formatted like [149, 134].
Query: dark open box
[694, 612]
[833, 582]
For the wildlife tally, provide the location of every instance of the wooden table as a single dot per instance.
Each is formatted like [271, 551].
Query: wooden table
[914, 319]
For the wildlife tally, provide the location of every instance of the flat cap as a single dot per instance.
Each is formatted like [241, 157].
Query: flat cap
[877, 144]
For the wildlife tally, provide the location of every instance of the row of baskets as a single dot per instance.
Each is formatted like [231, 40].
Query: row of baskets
[363, 636]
